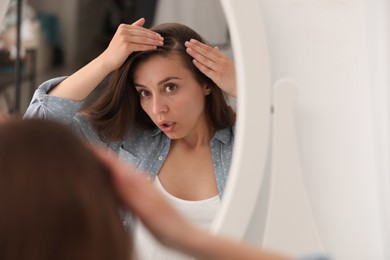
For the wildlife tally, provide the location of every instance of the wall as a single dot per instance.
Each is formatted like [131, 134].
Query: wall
[341, 64]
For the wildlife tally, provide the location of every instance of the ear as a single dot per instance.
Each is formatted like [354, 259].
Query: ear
[206, 90]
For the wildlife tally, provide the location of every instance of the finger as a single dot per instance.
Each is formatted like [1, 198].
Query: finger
[145, 39]
[204, 49]
[133, 30]
[130, 30]
[139, 40]
[140, 47]
[204, 69]
[210, 57]
[139, 22]
[201, 59]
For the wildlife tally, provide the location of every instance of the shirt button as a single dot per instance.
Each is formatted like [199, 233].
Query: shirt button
[160, 158]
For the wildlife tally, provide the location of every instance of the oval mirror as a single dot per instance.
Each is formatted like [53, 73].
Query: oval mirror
[252, 138]
[253, 120]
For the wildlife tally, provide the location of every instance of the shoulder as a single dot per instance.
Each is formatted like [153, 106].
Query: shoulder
[50, 84]
[226, 135]
[86, 130]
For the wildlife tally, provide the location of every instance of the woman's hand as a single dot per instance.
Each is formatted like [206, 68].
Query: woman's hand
[128, 39]
[214, 64]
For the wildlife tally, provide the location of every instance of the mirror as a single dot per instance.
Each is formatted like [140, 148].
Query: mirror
[252, 140]
[253, 75]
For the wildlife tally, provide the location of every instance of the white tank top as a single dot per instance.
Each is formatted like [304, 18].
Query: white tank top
[200, 212]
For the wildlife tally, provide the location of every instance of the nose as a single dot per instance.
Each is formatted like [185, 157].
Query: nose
[159, 105]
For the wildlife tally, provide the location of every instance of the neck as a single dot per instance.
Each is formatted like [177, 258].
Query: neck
[195, 140]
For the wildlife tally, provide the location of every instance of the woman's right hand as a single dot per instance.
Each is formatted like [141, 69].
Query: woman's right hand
[128, 39]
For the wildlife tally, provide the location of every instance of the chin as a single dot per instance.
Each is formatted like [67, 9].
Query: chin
[174, 136]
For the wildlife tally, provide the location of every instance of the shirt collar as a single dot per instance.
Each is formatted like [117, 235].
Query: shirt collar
[156, 131]
[223, 135]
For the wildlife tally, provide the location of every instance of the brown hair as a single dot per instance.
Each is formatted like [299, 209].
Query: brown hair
[56, 197]
[119, 107]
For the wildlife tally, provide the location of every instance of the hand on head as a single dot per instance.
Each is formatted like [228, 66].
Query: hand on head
[214, 64]
[127, 39]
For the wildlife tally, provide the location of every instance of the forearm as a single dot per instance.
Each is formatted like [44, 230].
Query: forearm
[80, 84]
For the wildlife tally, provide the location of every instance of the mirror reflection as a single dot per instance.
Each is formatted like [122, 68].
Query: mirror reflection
[156, 98]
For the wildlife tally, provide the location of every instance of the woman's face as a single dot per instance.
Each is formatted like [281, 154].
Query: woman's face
[171, 96]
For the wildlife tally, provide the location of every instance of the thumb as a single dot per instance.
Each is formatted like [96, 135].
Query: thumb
[139, 22]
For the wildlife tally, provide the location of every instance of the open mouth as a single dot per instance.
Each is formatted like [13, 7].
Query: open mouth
[167, 126]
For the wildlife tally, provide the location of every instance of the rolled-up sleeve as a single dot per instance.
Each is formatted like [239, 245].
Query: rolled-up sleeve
[45, 106]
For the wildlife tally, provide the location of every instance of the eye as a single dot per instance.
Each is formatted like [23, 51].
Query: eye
[170, 87]
[143, 93]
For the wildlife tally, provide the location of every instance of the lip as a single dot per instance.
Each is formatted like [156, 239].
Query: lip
[167, 126]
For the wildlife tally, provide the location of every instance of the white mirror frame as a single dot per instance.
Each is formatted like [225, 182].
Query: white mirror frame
[252, 138]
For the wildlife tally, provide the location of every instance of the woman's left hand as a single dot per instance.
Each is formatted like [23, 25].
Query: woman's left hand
[214, 64]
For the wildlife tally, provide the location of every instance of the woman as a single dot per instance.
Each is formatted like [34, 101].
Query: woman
[163, 112]
[127, 121]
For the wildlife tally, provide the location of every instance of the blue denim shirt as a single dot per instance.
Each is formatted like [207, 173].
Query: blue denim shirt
[144, 149]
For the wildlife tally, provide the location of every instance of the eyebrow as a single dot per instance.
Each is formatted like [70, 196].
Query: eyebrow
[159, 83]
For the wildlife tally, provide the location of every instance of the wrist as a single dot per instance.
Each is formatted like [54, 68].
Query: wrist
[103, 64]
